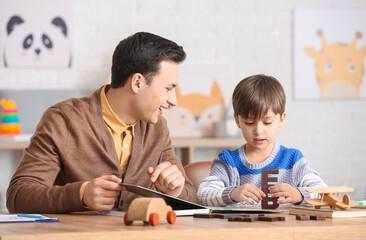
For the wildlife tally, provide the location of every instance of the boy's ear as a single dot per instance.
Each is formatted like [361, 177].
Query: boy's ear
[137, 81]
[282, 119]
[236, 120]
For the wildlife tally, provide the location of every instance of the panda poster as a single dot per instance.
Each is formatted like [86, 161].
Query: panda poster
[36, 34]
[330, 54]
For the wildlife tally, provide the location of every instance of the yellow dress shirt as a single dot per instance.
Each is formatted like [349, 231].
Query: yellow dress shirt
[122, 134]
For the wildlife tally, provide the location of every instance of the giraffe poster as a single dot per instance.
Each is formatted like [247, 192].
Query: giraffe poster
[330, 54]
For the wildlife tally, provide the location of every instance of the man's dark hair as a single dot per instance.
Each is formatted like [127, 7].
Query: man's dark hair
[256, 94]
[142, 53]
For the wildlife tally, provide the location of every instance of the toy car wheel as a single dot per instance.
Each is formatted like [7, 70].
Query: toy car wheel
[171, 217]
[154, 219]
[125, 219]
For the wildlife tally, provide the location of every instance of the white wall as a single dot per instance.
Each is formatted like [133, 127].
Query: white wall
[250, 37]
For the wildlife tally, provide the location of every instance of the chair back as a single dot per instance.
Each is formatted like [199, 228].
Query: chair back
[197, 171]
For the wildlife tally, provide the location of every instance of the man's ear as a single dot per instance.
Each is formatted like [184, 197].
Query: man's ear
[137, 82]
[282, 119]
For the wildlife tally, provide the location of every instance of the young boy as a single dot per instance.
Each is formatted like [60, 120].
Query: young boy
[235, 177]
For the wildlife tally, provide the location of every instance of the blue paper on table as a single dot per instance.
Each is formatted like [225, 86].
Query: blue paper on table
[25, 218]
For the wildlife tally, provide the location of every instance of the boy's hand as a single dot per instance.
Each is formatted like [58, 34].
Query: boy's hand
[246, 192]
[291, 194]
[167, 178]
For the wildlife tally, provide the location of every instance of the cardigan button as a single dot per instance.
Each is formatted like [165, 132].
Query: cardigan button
[121, 203]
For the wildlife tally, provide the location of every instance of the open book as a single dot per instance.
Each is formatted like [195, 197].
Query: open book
[180, 206]
[328, 212]
[185, 208]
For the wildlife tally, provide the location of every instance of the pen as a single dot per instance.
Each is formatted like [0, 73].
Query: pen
[29, 216]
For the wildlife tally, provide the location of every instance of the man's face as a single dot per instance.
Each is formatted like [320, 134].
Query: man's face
[160, 94]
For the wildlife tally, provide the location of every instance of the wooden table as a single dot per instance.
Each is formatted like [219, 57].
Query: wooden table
[107, 227]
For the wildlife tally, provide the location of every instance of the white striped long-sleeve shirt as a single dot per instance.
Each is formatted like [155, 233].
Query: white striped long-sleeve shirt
[232, 169]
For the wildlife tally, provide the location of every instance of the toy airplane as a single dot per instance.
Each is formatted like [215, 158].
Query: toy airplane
[329, 196]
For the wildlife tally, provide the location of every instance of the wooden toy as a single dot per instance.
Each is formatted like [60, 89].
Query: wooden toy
[302, 217]
[243, 219]
[329, 196]
[309, 217]
[206, 215]
[271, 218]
[317, 217]
[149, 210]
[265, 185]
[219, 215]
[253, 218]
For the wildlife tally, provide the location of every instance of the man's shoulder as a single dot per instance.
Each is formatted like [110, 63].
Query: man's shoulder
[79, 104]
[75, 109]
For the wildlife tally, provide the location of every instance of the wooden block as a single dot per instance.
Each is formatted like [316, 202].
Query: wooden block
[206, 215]
[271, 218]
[268, 218]
[235, 219]
[243, 219]
[228, 215]
[250, 219]
[268, 202]
[266, 179]
[302, 217]
[317, 217]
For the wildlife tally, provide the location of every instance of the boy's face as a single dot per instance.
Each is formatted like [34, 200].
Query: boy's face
[260, 133]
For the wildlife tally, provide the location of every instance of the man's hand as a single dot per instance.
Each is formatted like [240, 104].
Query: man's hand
[247, 192]
[101, 193]
[167, 178]
[291, 194]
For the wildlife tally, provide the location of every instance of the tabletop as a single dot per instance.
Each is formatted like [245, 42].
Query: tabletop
[81, 226]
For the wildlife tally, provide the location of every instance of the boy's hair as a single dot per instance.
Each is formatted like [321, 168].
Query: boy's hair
[142, 53]
[255, 95]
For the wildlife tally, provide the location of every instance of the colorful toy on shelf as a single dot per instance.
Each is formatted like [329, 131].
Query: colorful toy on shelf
[9, 118]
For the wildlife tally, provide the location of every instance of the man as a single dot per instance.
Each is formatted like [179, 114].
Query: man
[83, 148]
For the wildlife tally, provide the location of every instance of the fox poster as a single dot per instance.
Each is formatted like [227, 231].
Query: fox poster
[203, 95]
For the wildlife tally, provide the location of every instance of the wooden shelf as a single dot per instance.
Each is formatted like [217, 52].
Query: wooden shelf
[207, 142]
[185, 145]
[188, 145]
[13, 145]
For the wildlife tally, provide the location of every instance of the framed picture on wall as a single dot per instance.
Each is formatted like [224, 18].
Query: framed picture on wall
[36, 33]
[329, 54]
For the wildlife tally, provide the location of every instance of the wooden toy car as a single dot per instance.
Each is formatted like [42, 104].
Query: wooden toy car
[149, 210]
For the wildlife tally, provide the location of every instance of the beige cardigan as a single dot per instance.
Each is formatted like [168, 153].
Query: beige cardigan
[72, 145]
